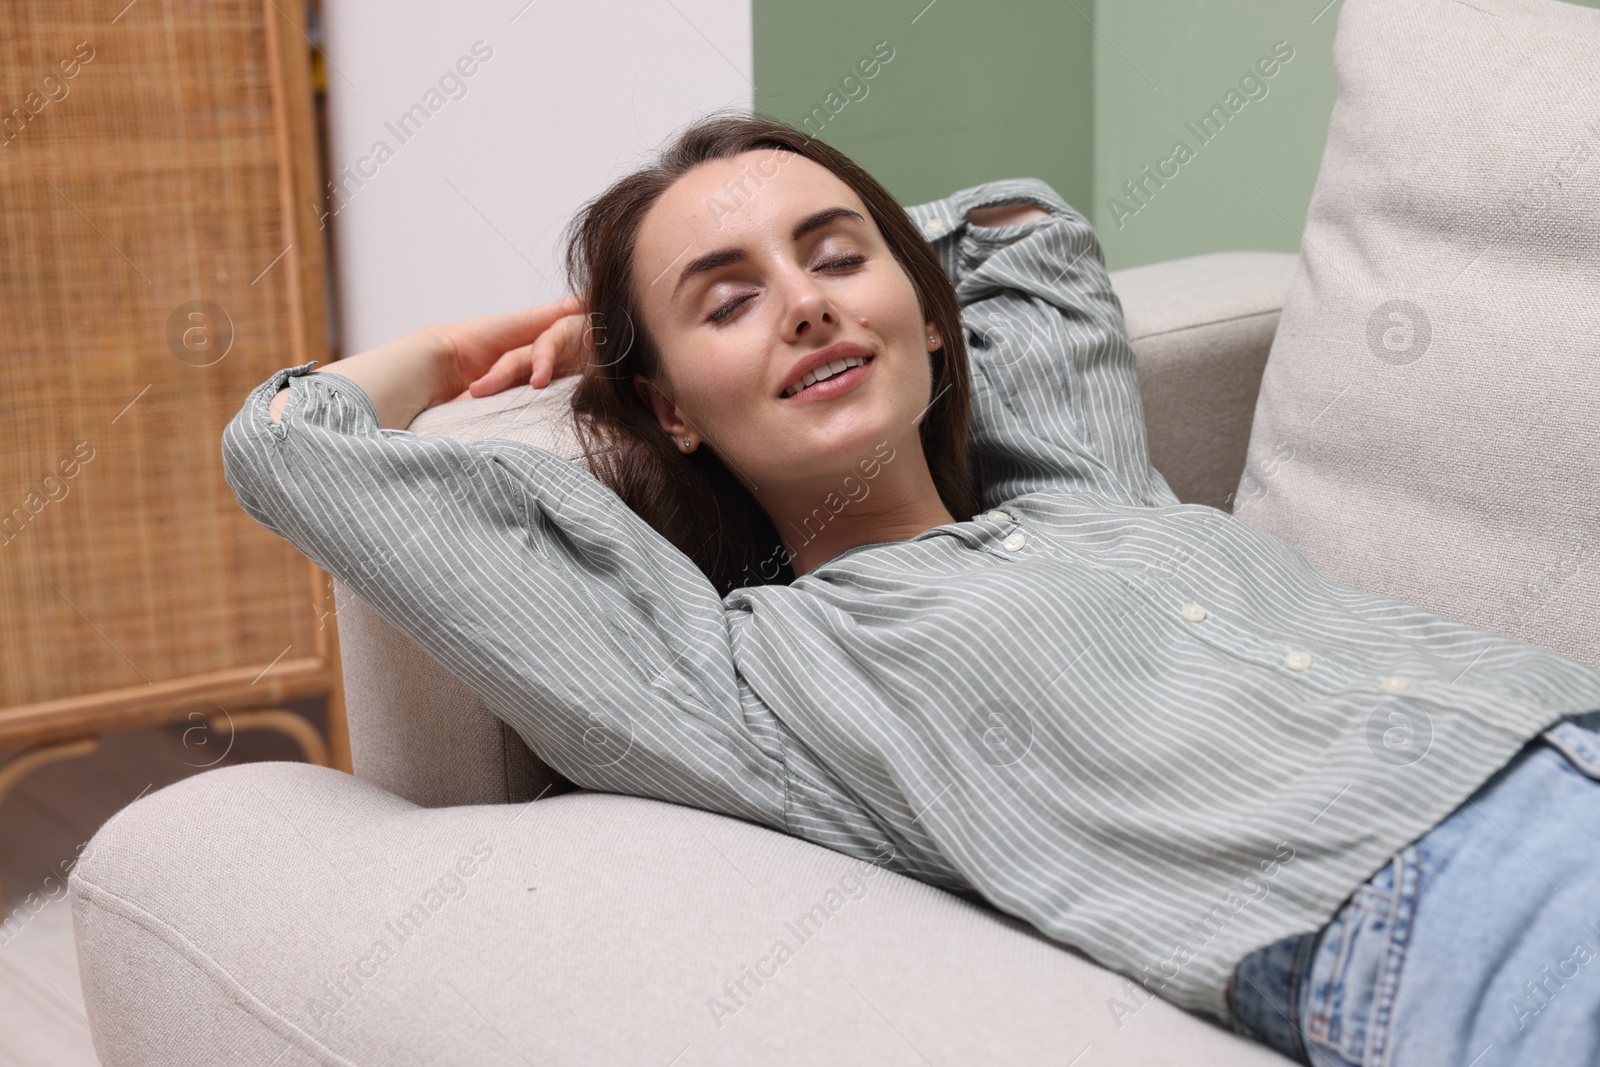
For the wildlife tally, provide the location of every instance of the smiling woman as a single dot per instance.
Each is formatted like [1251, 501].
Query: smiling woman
[1019, 667]
[813, 269]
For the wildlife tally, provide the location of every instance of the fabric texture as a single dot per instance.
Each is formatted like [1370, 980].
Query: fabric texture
[1149, 730]
[1478, 944]
[1426, 424]
[416, 729]
[284, 914]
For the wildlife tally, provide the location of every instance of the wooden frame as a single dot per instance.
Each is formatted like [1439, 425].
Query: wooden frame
[250, 696]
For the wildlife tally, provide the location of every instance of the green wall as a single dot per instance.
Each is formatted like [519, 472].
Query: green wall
[1162, 63]
[976, 90]
[1081, 94]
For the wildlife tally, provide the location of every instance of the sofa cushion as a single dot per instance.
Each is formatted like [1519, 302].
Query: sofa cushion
[539, 417]
[1426, 426]
[284, 909]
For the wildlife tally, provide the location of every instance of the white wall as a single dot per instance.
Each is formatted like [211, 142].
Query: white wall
[464, 217]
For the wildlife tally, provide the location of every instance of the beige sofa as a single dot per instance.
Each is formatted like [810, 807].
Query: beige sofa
[429, 911]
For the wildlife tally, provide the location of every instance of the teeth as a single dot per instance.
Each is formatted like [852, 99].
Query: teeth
[824, 372]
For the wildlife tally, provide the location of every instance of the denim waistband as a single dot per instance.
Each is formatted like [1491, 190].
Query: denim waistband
[1335, 989]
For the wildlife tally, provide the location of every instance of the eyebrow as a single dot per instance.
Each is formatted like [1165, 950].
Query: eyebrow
[723, 256]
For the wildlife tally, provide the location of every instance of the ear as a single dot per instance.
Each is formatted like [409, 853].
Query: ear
[931, 335]
[667, 414]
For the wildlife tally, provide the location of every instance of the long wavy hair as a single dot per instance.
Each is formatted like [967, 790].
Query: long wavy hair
[692, 499]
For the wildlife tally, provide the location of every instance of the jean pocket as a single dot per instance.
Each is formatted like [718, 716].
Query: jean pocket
[1577, 739]
[1263, 992]
[1355, 968]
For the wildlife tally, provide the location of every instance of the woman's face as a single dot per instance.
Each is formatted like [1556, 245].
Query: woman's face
[746, 267]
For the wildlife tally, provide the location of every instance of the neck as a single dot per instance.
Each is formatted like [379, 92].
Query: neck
[888, 496]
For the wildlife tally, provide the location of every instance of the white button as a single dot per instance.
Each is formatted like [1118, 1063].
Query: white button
[1015, 541]
[933, 228]
[1193, 612]
[1394, 683]
[1297, 660]
[996, 516]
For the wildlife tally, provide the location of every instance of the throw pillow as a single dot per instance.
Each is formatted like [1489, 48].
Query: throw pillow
[1428, 425]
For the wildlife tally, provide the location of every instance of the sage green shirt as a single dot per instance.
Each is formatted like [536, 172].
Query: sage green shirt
[1142, 726]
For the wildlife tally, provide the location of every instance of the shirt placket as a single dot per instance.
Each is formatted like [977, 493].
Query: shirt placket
[1299, 659]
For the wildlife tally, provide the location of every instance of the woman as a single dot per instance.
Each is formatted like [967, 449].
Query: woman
[991, 650]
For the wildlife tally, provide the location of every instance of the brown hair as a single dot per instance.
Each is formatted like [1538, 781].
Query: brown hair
[692, 499]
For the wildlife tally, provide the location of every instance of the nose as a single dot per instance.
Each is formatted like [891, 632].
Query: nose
[806, 307]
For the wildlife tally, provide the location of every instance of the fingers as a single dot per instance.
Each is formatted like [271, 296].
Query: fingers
[557, 351]
[506, 330]
[545, 358]
[506, 372]
[563, 347]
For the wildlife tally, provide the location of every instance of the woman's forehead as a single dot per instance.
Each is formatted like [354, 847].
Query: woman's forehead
[750, 198]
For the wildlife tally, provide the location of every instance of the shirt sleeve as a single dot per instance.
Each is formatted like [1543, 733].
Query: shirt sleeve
[592, 635]
[1056, 401]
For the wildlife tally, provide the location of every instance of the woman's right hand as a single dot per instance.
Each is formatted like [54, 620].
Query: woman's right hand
[473, 357]
[491, 353]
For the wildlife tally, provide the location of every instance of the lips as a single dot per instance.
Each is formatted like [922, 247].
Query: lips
[819, 364]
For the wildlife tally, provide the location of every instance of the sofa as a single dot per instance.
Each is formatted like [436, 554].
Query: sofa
[455, 902]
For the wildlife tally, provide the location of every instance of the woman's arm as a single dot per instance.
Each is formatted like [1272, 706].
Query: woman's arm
[402, 378]
[1006, 215]
[569, 616]
[479, 356]
[1055, 399]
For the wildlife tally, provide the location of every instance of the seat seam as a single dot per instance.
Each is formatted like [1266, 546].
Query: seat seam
[1208, 322]
[112, 903]
[505, 760]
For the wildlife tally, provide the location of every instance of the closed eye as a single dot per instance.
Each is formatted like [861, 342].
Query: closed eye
[723, 312]
[844, 261]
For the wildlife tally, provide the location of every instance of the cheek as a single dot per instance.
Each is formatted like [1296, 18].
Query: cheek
[716, 380]
[887, 304]
[908, 316]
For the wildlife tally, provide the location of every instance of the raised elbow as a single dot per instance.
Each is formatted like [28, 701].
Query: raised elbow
[243, 468]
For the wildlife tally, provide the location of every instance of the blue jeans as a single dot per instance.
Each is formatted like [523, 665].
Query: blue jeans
[1477, 946]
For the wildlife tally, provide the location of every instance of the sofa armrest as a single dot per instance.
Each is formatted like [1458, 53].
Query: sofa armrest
[417, 730]
[1201, 329]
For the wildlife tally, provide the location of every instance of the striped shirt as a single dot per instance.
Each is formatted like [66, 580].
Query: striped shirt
[1145, 728]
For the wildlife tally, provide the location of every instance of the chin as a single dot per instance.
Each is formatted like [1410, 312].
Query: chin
[870, 440]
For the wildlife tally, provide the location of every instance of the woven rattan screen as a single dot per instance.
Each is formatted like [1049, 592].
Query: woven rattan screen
[160, 256]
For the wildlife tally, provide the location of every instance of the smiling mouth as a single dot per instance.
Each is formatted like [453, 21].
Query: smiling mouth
[840, 372]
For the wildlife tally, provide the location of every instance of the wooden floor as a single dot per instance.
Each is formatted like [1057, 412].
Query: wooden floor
[41, 1005]
[42, 824]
